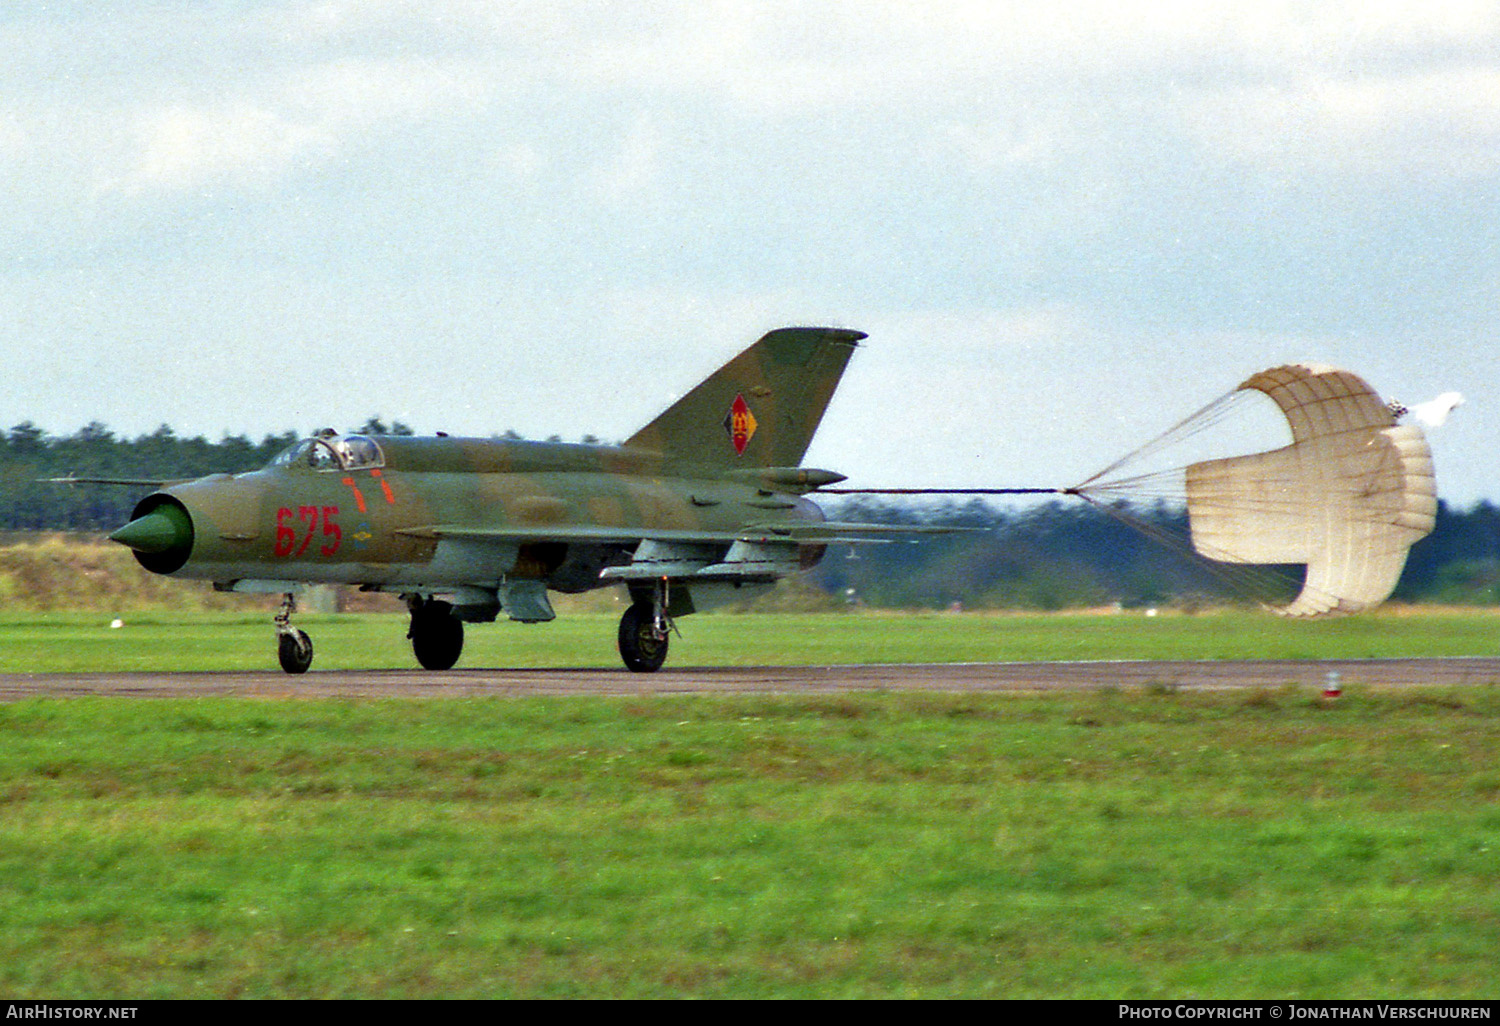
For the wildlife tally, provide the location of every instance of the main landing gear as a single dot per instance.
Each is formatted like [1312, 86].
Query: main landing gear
[437, 636]
[293, 647]
[643, 631]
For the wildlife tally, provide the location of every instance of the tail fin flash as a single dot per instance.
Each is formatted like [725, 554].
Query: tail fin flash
[758, 410]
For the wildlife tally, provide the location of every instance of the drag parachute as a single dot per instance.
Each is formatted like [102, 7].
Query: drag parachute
[1348, 497]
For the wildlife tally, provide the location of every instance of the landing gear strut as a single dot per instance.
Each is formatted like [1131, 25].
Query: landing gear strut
[437, 636]
[294, 648]
[643, 632]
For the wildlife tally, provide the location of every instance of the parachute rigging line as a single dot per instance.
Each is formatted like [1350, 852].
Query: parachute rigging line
[1205, 419]
[1252, 581]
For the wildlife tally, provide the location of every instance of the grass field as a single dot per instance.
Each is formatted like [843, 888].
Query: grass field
[1119, 843]
[1104, 845]
[52, 642]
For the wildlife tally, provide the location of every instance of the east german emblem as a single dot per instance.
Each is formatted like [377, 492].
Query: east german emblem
[740, 423]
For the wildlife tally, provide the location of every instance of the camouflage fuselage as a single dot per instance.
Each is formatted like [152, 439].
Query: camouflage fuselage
[442, 512]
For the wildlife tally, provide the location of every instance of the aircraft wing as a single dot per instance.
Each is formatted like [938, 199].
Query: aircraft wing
[137, 482]
[849, 531]
[566, 533]
[813, 531]
[758, 552]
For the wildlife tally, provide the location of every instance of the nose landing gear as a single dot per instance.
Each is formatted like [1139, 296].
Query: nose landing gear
[294, 649]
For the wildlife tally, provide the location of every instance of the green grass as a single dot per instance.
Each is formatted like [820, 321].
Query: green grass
[56, 642]
[1112, 844]
[1119, 843]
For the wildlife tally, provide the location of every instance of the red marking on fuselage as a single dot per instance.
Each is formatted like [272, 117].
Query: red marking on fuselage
[384, 486]
[359, 500]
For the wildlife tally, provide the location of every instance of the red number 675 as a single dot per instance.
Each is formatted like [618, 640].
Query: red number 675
[309, 516]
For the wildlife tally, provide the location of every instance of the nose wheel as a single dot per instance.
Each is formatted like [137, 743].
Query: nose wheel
[294, 649]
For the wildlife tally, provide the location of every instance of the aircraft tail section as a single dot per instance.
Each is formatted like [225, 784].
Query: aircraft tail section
[760, 409]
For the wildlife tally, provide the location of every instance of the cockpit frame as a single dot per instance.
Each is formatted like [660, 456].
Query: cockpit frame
[328, 453]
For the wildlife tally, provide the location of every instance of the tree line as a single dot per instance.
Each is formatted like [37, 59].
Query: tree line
[1050, 556]
[29, 456]
[1061, 555]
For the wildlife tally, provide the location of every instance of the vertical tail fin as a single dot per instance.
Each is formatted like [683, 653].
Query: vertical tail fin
[760, 409]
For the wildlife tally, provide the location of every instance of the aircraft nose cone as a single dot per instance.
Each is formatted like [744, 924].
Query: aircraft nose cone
[162, 530]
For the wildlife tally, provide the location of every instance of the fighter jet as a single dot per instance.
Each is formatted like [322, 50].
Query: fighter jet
[703, 506]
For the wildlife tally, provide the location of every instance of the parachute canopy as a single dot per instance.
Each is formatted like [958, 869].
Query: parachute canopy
[1348, 497]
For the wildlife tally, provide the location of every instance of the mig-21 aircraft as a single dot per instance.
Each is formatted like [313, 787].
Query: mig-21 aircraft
[708, 504]
[703, 506]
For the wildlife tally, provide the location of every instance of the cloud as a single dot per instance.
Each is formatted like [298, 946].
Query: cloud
[302, 120]
[635, 166]
[1442, 124]
[183, 147]
[997, 87]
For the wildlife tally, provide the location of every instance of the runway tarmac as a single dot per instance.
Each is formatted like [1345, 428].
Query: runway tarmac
[946, 677]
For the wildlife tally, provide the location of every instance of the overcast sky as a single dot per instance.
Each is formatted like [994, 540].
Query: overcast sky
[1064, 225]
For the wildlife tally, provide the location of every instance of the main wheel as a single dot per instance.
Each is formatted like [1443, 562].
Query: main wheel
[437, 636]
[640, 648]
[294, 649]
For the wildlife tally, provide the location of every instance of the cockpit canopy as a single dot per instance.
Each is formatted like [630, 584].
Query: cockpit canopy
[333, 452]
